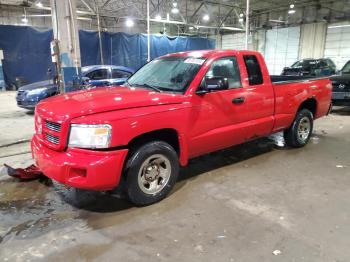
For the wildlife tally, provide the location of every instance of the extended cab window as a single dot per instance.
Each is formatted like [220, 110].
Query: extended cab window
[228, 68]
[254, 71]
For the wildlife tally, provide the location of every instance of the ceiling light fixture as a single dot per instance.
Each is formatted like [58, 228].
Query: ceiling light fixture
[24, 19]
[129, 23]
[338, 26]
[158, 17]
[291, 6]
[175, 10]
[206, 17]
[24, 16]
[291, 11]
[39, 4]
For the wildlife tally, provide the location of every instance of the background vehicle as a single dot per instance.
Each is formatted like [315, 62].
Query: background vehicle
[311, 67]
[341, 86]
[174, 108]
[97, 75]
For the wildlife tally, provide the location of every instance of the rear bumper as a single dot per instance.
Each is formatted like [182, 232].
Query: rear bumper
[80, 168]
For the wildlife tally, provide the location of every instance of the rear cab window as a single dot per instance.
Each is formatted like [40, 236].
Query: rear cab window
[255, 76]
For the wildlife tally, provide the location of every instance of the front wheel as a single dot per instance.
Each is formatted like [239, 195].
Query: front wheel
[298, 135]
[151, 172]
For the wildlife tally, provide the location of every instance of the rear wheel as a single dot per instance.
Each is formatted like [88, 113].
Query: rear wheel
[298, 135]
[151, 172]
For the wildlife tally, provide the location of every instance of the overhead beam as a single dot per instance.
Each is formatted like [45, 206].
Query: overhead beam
[226, 16]
[88, 6]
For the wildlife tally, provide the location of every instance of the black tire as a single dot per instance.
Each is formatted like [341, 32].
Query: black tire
[136, 192]
[292, 136]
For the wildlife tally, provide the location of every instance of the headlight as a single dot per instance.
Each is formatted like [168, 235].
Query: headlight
[39, 125]
[36, 91]
[90, 136]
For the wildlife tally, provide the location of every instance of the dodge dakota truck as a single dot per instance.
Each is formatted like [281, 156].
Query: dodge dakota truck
[174, 108]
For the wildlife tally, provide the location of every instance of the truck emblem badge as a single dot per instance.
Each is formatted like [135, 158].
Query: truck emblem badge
[341, 86]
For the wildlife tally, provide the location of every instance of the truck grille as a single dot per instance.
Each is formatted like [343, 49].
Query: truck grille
[53, 126]
[53, 139]
[341, 87]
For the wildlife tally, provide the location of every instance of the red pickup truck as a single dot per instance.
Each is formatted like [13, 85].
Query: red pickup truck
[176, 107]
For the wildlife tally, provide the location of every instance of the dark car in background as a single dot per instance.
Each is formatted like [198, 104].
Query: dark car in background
[96, 75]
[311, 67]
[341, 86]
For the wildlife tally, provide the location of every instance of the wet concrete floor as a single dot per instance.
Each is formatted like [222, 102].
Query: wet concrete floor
[254, 202]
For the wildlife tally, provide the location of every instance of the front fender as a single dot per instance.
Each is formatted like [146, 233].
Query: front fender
[130, 123]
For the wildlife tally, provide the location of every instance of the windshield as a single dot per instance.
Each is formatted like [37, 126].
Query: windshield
[346, 68]
[305, 63]
[172, 74]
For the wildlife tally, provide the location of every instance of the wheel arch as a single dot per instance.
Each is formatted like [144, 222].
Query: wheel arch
[309, 104]
[169, 135]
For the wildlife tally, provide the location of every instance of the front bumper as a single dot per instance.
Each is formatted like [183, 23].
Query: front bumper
[27, 104]
[80, 168]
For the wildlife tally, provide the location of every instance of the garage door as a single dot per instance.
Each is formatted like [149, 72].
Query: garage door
[233, 41]
[281, 48]
[337, 44]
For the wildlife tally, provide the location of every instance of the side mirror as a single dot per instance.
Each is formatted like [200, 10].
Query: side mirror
[213, 83]
[85, 80]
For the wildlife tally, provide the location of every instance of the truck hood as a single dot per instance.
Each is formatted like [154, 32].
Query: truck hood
[341, 83]
[36, 85]
[341, 78]
[87, 102]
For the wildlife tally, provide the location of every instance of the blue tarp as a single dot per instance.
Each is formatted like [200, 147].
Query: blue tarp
[27, 50]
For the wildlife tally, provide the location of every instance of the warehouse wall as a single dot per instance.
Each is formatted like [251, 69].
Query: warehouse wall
[233, 41]
[312, 40]
[283, 46]
[337, 45]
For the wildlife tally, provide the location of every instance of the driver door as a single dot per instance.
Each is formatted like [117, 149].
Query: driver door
[217, 116]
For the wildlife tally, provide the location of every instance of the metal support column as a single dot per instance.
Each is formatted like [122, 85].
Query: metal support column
[2, 80]
[99, 32]
[148, 34]
[65, 31]
[247, 25]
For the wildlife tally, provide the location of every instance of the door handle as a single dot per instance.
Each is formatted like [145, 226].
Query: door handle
[238, 100]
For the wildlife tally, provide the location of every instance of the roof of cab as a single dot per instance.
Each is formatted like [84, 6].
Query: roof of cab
[87, 69]
[204, 53]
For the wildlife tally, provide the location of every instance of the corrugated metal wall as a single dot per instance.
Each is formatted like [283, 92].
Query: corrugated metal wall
[338, 44]
[233, 41]
[281, 48]
[312, 40]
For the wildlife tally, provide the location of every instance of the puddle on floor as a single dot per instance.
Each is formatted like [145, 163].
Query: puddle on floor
[34, 208]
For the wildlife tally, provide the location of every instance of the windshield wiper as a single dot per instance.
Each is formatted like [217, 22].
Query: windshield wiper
[147, 86]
